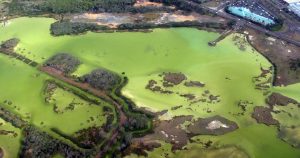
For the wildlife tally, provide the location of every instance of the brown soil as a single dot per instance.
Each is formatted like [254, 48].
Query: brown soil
[194, 84]
[155, 88]
[216, 125]
[263, 115]
[280, 54]
[174, 78]
[278, 99]
[188, 96]
[146, 3]
[207, 98]
[168, 131]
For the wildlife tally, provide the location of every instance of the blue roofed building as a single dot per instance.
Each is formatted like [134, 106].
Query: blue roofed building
[252, 11]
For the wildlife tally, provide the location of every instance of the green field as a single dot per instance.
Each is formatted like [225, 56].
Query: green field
[225, 69]
[291, 91]
[10, 143]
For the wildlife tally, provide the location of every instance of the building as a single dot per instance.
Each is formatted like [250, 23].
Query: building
[252, 11]
[294, 6]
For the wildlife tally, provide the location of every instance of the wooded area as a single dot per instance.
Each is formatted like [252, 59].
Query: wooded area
[68, 6]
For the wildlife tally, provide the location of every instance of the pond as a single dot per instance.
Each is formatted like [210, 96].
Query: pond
[226, 71]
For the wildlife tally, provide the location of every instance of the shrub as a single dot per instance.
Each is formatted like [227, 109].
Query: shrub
[63, 62]
[102, 79]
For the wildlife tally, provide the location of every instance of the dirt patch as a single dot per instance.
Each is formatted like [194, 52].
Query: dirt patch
[194, 84]
[278, 99]
[146, 3]
[216, 125]
[264, 80]
[188, 96]
[174, 78]
[152, 85]
[10, 44]
[281, 54]
[169, 131]
[263, 115]
[207, 97]
[113, 20]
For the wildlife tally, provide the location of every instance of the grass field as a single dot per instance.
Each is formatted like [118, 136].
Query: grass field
[22, 92]
[10, 143]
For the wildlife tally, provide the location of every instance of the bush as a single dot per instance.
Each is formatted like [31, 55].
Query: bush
[10, 44]
[69, 28]
[136, 122]
[63, 62]
[68, 6]
[102, 79]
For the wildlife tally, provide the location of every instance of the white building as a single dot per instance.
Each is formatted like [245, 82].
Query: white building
[294, 6]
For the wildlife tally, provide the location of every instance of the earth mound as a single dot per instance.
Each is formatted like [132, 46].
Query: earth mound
[216, 125]
[263, 115]
[174, 78]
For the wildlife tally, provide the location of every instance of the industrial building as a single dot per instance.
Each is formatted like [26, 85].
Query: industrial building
[294, 6]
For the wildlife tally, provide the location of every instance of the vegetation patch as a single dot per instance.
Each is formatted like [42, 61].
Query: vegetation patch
[63, 62]
[289, 129]
[40, 144]
[291, 135]
[102, 79]
[68, 6]
[69, 28]
[10, 44]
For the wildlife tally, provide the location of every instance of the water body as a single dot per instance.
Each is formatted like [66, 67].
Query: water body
[246, 13]
[225, 69]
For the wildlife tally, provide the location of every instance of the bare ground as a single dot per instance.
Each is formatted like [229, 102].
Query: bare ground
[263, 115]
[280, 54]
